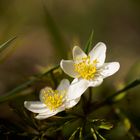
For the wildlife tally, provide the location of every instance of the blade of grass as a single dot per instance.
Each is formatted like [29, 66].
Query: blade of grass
[73, 134]
[89, 43]
[128, 87]
[13, 93]
[99, 135]
[93, 133]
[110, 100]
[57, 39]
[80, 134]
[6, 44]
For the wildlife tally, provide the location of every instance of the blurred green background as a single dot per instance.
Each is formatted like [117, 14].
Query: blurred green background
[116, 23]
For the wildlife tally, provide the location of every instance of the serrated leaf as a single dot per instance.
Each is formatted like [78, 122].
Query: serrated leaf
[6, 44]
[89, 43]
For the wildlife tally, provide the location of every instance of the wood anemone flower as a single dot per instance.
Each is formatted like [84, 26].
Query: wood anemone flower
[88, 70]
[52, 101]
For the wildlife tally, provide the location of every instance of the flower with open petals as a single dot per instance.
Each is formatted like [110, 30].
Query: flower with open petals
[88, 70]
[52, 101]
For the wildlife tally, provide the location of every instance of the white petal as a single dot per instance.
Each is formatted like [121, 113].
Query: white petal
[96, 82]
[68, 67]
[109, 69]
[71, 103]
[98, 53]
[45, 115]
[77, 89]
[42, 91]
[74, 81]
[35, 106]
[64, 84]
[50, 113]
[78, 53]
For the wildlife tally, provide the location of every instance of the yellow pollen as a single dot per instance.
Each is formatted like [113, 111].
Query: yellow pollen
[52, 98]
[86, 68]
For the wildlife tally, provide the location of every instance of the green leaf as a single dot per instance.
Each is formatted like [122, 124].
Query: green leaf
[73, 134]
[93, 133]
[123, 118]
[80, 134]
[127, 124]
[101, 124]
[89, 43]
[105, 125]
[57, 39]
[131, 136]
[55, 125]
[110, 99]
[16, 91]
[128, 87]
[99, 135]
[119, 97]
[6, 44]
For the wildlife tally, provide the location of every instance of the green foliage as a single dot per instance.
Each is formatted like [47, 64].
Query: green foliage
[126, 88]
[73, 134]
[102, 124]
[93, 133]
[89, 43]
[15, 92]
[78, 123]
[6, 44]
[57, 39]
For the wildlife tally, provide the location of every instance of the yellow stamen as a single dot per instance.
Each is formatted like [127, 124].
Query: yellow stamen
[86, 69]
[52, 98]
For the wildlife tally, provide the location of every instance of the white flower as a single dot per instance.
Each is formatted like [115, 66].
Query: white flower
[52, 101]
[88, 70]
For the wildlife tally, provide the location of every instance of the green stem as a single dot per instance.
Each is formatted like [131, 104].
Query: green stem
[54, 79]
[109, 100]
[89, 43]
[6, 44]
[90, 95]
[15, 92]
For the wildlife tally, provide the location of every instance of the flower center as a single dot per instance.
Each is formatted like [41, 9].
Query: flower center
[52, 98]
[86, 69]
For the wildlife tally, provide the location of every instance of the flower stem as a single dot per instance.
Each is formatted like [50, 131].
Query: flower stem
[16, 91]
[90, 95]
[109, 100]
[53, 79]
